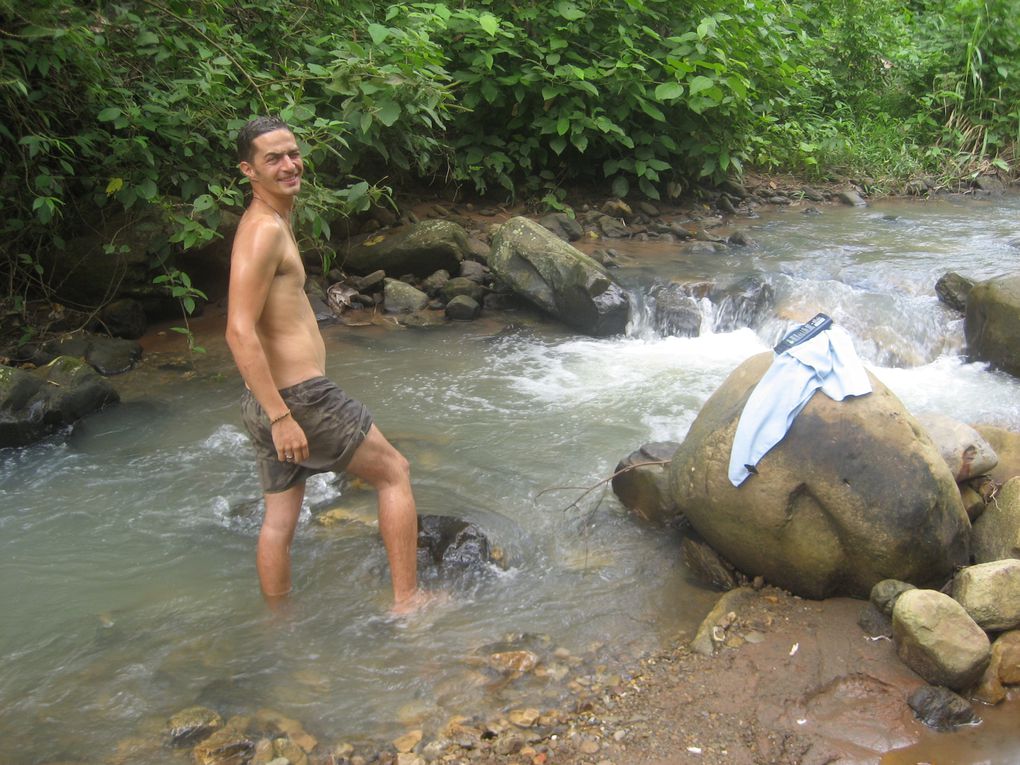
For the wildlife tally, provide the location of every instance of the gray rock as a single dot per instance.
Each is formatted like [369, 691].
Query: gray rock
[741, 239]
[400, 297]
[855, 493]
[369, 282]
[612, 228]
[107, 355]
[419, 249]
[966, 453]
[989, 183]
[564, 226]
[851, 198]
[952, 290]
[1006, 445]
[475, 271]
[677, 312]
[885, 593]
[916, 188]
[451, 544]
[996, 533]
[558, 278]
[461, 285]
[743, 303]
[992, 323]
[124, 318]
[36, 404]
[698, 247]
[990, 593]
[941, 709]
[463, 308]
[874, 622]
[937, 639]
[435, 282]
[644, 490]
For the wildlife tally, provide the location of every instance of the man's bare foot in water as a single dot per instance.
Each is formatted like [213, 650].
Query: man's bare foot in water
[420, 600]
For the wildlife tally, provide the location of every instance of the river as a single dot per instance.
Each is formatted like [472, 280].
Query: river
[127, 582]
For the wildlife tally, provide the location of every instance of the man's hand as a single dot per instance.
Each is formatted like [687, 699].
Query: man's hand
[290, 441]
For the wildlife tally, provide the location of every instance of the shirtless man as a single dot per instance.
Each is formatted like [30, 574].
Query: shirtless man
[300, 422]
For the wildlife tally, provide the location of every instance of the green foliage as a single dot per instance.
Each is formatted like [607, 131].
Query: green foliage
[634, 95]
[113, 110]
[116, 109]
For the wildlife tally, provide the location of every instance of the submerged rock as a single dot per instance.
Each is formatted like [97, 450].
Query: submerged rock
[941, 709]
[451, 544]
[855, 493]
[192, 725]
[644, 488]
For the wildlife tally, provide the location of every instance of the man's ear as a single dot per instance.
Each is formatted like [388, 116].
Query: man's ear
[247, 169]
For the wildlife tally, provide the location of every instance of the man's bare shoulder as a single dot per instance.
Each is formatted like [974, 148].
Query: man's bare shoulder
[260, 236]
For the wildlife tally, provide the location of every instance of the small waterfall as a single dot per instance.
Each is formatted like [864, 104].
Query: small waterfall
[690, 309]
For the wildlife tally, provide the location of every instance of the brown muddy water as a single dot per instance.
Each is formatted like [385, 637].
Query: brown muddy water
[127, 581]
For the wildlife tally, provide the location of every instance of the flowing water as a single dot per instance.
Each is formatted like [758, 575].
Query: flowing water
[127, 582]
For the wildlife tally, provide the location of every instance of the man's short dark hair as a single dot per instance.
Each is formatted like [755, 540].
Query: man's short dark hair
[253, 130]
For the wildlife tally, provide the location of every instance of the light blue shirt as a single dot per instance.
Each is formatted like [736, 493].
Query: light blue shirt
[827, 361]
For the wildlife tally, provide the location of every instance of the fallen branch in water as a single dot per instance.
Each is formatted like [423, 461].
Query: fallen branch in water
[586, 490]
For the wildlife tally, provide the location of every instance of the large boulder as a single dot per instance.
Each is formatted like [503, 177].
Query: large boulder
[558, 278]
[997, 531]
[36, 404]
[855, 493]
[992, 323]
[419, 249]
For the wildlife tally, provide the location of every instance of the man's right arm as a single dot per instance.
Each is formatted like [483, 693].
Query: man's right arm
[255, 259]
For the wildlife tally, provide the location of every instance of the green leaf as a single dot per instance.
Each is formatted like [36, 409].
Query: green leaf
[489, 24]
[651, 110]
[109, 114]
[388, 113]
[569, 11]
[378, 33]
[701, 83]
[669, 91]
[147, 189]
[621, 187]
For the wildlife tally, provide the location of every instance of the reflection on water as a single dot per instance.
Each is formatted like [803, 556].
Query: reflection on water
[127, 579]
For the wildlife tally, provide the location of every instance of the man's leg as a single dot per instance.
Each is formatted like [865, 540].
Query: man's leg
[377, 462]
[272, 558]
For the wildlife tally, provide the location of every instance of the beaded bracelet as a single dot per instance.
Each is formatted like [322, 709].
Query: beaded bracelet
[283, 416]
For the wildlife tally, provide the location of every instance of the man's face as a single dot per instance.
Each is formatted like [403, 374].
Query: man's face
[275, 165]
